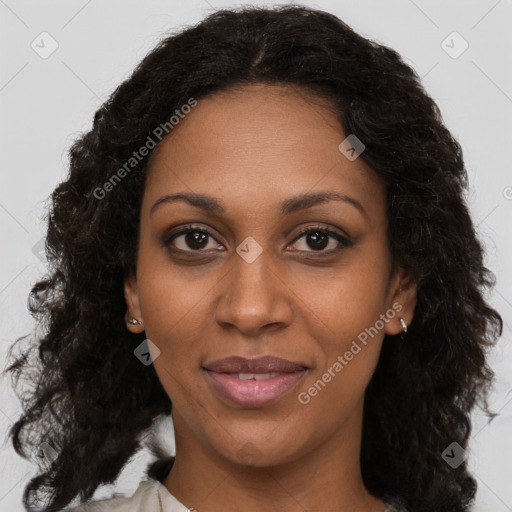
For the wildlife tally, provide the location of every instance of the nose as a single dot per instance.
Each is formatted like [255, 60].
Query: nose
[254, 297]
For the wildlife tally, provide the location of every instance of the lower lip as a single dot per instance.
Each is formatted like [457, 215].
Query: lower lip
[254, 393]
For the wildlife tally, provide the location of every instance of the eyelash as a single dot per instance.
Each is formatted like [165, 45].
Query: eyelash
[343, 240]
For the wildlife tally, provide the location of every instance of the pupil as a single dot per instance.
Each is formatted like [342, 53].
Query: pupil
[319, 240]
[195, 240]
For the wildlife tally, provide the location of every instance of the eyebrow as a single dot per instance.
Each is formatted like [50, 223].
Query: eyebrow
[287, 207]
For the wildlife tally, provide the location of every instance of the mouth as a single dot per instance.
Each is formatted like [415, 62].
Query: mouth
[253, 383]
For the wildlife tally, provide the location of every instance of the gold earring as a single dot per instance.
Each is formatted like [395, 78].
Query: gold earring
[404, 325]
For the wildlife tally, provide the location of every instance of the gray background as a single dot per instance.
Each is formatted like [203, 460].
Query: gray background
[46, 102]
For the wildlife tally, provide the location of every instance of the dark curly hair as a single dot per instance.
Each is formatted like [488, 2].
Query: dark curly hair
[91, 398]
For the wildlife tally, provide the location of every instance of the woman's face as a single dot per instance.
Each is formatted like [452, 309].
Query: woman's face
[259, 166]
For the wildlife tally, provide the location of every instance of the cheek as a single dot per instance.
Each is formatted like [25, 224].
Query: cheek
[173, 298]
[349, 303]
[347, 300]
[175, 312]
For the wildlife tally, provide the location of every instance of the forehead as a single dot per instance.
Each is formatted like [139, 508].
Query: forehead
[259, 143]
[252, 123]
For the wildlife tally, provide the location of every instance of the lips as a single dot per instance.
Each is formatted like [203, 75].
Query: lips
[252, 383]
[265, 364]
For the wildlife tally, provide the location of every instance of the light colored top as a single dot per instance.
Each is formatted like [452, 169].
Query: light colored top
[152, 496]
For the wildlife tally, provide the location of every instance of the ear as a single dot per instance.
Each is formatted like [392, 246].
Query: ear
[134, 310]
[402, 299]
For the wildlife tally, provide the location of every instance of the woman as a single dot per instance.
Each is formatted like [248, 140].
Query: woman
[264, 235]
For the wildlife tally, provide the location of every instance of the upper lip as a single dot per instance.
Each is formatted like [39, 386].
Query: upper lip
[265, 364]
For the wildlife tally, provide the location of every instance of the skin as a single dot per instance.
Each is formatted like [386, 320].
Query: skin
[251, 148]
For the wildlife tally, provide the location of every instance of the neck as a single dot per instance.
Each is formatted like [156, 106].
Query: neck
[327, 478]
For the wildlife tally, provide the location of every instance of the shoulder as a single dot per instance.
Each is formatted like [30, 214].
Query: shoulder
[145, 498]
[394, 505]
[150, 496]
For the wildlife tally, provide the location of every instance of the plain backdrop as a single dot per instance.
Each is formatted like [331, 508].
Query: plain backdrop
[47, 100]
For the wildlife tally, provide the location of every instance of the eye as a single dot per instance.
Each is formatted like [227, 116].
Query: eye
[191, 240]
[317, 239]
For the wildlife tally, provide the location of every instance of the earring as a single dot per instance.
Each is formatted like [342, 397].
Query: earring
[404, 325]
[134, 321]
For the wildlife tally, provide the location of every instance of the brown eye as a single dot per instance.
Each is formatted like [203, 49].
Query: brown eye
[192, 240]
[317, 240]
[196, 240]
[320, 239]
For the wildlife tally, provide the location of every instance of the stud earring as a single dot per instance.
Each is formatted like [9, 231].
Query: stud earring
[134, 321]
[404, 325]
